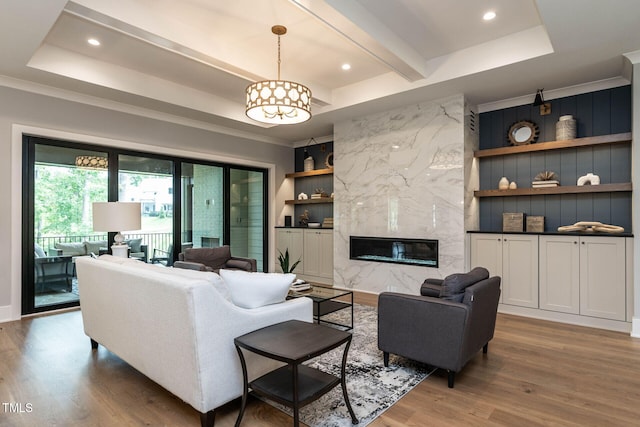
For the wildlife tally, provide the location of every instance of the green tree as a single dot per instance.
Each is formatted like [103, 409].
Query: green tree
[63, 197]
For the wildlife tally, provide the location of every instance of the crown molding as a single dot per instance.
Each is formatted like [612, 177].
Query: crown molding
[554, 94]
[94, 101]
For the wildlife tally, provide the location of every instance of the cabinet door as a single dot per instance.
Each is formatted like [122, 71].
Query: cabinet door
[291, 239]
[318, 252]
[602, 277]
[560, 273]
[486, 251]
[520, 270]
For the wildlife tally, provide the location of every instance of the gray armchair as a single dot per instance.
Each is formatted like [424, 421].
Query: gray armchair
[445, 326]
[213, 259]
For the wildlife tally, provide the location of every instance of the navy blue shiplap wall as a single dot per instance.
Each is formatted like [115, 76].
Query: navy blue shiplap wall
[597, 113]
[317, 212]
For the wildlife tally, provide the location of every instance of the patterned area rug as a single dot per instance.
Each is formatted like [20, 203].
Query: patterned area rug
[372, 388]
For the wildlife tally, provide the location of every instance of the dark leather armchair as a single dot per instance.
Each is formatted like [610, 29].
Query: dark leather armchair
[445, 326]
[213, 259]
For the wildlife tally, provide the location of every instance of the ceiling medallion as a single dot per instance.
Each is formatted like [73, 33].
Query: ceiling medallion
[278, 101]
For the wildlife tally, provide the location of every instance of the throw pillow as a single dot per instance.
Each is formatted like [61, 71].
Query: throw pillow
[134, 244]
[453, 286]
[215, 258]
[253, 289]
[38, 251]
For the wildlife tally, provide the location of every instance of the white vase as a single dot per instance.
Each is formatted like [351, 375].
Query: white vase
[513, 185]
[503, 184]
[309, 164]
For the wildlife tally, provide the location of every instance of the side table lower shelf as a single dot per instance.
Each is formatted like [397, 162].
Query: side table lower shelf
[278, 385]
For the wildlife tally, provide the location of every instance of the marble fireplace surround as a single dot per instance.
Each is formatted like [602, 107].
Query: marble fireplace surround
[401, 174]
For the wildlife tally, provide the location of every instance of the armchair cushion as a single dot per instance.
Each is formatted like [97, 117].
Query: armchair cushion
[216, 258]
[253, 290]
[454, 285]
[94, 247]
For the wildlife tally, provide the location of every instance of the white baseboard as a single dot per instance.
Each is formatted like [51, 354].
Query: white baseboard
[635, 327]
[6, 314]
[572, 319]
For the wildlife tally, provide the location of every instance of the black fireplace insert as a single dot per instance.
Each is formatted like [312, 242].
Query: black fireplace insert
[422, 252]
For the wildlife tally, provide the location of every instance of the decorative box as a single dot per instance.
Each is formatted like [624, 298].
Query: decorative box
[513, 222]
[535, 224]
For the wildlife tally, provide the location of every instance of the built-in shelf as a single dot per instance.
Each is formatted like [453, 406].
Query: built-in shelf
[555, 145]
[564, 189]
[315, 172]
[309, 201]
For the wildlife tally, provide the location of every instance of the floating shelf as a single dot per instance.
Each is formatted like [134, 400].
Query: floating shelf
[309, 201]
[555, 145]
[566, 189]
[315, 172]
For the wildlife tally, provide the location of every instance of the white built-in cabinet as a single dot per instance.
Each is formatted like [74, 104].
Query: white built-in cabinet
[583, 275]
[580, 275]
[513, 257]
[314, 247]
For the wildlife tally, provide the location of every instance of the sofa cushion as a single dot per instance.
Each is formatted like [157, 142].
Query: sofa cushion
[71, 249]
[238, 264]
[216, 258]
[93, 247]
[453, 286]
[254, 289]
[134, 244]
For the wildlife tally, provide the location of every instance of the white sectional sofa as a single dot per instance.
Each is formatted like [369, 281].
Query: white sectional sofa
[176, 326]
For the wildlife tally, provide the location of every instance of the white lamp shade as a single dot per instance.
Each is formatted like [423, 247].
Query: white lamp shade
[116, 216]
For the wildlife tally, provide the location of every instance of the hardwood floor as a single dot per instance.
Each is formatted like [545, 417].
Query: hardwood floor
[536, 373]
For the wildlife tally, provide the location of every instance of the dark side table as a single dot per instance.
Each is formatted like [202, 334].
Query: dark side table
[294, 385]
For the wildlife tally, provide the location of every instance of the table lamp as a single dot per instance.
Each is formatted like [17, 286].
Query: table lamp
[117, 217]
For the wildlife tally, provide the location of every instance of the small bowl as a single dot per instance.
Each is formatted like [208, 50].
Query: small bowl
[314, 225]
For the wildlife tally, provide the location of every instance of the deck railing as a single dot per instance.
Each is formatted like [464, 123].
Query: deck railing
[153, 241]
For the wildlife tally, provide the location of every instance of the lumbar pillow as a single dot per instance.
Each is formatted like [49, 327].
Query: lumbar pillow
[253, 290]
[453, 286]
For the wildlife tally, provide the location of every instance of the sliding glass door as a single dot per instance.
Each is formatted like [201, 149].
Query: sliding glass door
[149, 181]
[184, 203]
[247, 214]
[63, 182]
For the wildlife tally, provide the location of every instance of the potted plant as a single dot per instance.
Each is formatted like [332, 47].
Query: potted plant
[284, 262]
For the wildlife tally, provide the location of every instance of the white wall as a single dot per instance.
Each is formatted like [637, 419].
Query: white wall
[386, 185]
[22, 111]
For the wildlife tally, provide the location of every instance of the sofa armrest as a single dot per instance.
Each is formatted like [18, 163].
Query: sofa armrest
[247, 264]
[426, 329]
[189, 265]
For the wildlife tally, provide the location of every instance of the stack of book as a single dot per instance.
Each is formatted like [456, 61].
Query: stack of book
[544, 184]
[327, 223]
[300, 285]
[316, 196]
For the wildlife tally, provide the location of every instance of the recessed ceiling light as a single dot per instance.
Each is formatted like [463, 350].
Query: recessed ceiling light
[488, 16]
[346, 67]
[93, 42]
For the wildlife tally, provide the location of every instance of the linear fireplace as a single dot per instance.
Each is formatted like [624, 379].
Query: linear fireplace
[422, 252]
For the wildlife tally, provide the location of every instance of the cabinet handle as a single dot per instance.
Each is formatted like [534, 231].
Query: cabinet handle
[575, 243]
[505, 240]
[499, 240]
[583, 243]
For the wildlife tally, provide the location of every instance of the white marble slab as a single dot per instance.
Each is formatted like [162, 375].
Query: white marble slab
[387, 184]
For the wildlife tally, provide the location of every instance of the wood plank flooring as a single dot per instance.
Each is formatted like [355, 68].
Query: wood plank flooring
[536, 373]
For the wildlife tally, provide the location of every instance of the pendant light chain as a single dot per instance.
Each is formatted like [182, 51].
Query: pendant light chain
[278, 56]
